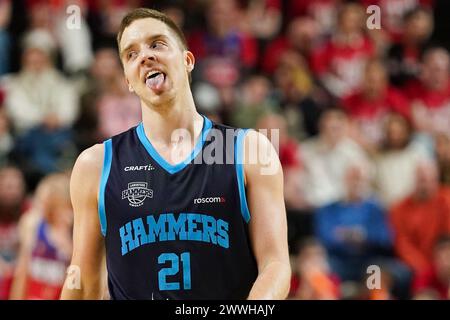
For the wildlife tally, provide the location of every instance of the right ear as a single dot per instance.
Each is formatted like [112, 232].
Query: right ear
[130, 88]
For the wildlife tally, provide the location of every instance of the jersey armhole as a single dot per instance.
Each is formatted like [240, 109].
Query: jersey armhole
[239, 160]
[107, 159]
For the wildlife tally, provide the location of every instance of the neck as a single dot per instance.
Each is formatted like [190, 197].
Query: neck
[352, 198]
[162, 120]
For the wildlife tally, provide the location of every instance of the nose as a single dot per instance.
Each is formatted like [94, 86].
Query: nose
[147, 56]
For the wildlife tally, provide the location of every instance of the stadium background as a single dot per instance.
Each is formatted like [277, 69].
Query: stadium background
[363, 116]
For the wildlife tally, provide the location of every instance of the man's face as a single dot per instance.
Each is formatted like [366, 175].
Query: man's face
[155, 65]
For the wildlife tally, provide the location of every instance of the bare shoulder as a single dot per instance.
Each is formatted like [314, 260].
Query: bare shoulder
[260, 155]
[91, 158]
[87, 169]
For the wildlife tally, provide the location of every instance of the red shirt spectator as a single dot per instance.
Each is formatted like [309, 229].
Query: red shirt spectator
[419, 220]
[301, 35]
[369, 106]
[344, 61]
[429, 281]
[339, 62]
[430, 97]
[323, 11]
[393, 11]
[436, 280]
[223, 49]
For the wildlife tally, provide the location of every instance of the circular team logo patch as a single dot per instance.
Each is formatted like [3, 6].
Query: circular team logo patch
[136, 193]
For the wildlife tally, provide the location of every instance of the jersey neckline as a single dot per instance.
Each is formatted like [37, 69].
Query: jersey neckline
[174, 168]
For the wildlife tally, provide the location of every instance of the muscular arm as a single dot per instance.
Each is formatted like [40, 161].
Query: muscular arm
[88, 242]
[268, 227]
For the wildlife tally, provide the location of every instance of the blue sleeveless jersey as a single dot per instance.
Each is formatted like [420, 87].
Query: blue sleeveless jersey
[176, 231]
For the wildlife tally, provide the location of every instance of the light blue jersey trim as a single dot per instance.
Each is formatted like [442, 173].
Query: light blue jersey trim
[207, 124]
[239, 158]
[104, 178]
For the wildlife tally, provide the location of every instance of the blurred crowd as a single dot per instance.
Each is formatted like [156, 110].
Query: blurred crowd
[363, 116]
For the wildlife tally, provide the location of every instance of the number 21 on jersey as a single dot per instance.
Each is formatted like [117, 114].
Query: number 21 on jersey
[173, 269]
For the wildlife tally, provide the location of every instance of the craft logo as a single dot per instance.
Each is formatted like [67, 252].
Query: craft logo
[136, 193]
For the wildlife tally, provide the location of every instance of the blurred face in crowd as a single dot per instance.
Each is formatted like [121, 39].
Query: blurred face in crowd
[302, 32]
[312, 258]
[442, 261]
[221, 16]
[397, 132]
[333, 126]
[356, 182]
[418, 27]
[435, 69]
[292, 77]
[427, 180]
[35, 60]
[41, 15]
[176, 14]
[351, 18]
[12, 187]
[376, 80]
[273, 122]
[106, 66]
[53, 197]
[156, 65]
[256, 90]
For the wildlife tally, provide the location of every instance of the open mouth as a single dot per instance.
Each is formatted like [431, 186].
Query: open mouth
[155, 79]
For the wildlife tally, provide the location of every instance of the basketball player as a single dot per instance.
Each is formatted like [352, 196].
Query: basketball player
[171, 228]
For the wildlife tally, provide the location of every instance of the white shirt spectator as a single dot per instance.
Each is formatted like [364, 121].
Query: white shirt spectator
[31, 97]
[325, 169]
[396, 173]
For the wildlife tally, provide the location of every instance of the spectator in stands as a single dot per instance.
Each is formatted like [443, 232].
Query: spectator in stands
[301, 36]
[262, 18]
[369, 107]
[107, 107]
[175, 10]
[354, 230]
[326, 159]
[324, 12]
[435, 282]
[404, 56]
[397, 161]
[223, 52]
[397, 16]
[313, 279]
[339, 62]
[42, 106]
[104, 18]
[45, 242]
[39, 95]
[430, 96]
[421, 218]
[254, 101]
[74, 36]
[295, 92]
[12, 204]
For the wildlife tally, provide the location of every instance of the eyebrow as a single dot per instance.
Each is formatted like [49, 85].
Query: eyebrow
[152, 38]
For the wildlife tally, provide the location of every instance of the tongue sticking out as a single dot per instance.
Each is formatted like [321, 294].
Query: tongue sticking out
[156, 82]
